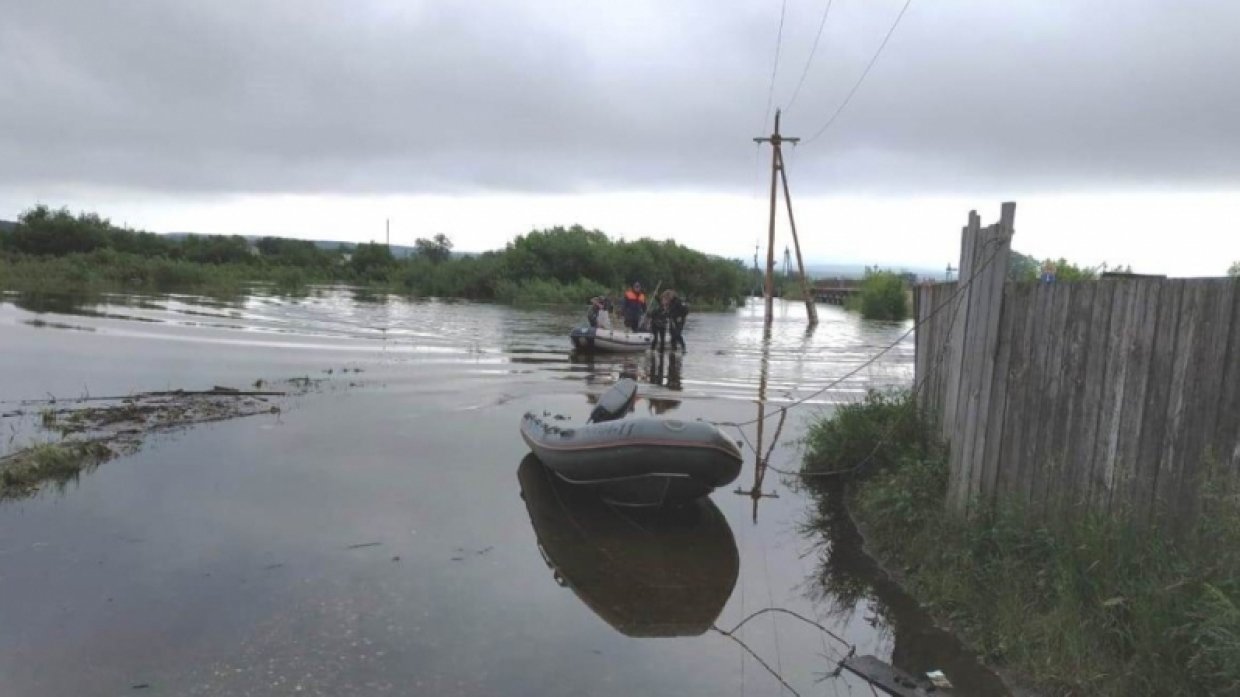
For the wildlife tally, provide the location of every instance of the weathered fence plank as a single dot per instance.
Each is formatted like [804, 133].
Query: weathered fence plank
[1083, 444]
[994, 259]
[1226, 444]
[1137, 380]
[1154, 430]
[983, 297]
[1204, 389]
[1048, 471]
[1179, 399]
[1105, 448]
[1022, 307]
[1067, 428]
[1035, 396]
[993, 433]
[959, 328]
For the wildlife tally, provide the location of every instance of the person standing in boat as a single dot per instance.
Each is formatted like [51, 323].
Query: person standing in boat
[634, 306]
[677, 313]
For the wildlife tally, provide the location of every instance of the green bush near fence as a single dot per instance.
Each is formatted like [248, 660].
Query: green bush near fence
[882, 297]
[1098, 606]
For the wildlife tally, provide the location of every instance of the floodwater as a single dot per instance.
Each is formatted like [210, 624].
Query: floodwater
[387, 534]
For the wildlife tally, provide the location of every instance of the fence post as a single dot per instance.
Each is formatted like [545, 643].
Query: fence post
[974, 345]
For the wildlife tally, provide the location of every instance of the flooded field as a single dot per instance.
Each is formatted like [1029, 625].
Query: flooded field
[383, 532]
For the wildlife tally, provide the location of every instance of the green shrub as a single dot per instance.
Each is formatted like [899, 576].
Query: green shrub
[542, 292]
[883, 296]
[877, 433]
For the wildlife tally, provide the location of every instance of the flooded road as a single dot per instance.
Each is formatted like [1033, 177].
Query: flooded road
[386, 533]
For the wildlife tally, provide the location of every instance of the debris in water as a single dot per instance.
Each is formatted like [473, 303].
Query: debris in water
[364, 544]
[93, 434]
[938, 679]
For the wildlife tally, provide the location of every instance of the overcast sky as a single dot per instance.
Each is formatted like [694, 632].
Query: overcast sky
[1114, 125]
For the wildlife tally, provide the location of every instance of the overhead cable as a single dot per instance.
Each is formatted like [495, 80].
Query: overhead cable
[779, 42]
[809, 61]
[864, 73]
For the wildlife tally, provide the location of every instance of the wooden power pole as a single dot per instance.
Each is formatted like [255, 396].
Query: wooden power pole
[778, 176]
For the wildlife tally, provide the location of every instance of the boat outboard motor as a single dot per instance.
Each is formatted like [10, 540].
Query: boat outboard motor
[615, 402]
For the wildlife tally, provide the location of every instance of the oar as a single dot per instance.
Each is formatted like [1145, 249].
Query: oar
[654, 298]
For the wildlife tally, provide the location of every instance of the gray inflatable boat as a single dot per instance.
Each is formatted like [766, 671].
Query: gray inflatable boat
[614, 340]
[640, 461]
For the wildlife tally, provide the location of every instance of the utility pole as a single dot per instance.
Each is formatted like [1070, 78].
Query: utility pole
[778, 175]
[387, 232]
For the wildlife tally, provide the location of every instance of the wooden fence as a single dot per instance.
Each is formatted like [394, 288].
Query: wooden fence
[1109, 395]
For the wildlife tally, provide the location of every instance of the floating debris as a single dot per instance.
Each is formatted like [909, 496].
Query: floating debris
[93, 430]
[939, 680]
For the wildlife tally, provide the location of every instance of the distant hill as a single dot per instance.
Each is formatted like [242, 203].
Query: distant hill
[7, 225]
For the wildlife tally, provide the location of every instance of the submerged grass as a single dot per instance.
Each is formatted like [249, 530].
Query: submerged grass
[95, 432]
[1096, 606]
[24, 471]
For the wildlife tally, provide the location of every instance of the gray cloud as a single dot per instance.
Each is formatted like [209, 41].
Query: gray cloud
[407, 97]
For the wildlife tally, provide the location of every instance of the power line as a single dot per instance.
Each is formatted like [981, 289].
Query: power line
[779, 42]
[809, 61]
[864, 73]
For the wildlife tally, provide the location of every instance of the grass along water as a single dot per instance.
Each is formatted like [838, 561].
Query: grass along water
[1097, 606]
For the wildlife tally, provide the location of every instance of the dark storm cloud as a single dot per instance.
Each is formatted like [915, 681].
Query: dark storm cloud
[404, 97]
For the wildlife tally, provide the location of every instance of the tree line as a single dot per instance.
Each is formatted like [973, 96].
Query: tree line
[560, 264]
[1022, 267]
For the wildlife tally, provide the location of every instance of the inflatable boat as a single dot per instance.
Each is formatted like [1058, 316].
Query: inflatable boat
[661, 572]
[642, 461]
[620, 340]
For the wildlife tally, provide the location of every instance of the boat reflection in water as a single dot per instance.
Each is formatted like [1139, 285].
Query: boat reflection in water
[648, 573]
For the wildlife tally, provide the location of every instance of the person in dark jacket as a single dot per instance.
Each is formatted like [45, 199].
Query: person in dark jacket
[634, 306]
[658, 323]
[677, 313]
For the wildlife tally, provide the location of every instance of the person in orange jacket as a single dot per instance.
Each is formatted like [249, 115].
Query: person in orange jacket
[634, 306]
